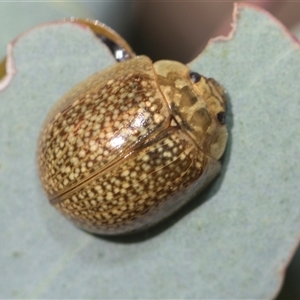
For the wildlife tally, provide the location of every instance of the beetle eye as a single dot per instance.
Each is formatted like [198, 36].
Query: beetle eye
[195, 77]
[221, 116]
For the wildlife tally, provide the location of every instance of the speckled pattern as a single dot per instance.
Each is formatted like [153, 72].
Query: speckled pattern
[124, 142]
[143, 181]
[102, 122]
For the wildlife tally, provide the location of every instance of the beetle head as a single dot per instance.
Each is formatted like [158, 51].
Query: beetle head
[197, 104]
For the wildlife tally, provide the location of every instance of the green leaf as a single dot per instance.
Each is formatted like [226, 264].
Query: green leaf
[18, 16]
[234, 241]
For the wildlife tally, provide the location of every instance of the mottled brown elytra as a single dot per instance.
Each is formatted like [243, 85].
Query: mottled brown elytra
[131, 144]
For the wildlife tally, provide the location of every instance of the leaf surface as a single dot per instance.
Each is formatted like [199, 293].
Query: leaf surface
[234, 241]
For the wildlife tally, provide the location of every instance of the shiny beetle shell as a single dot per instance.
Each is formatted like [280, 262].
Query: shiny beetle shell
[131, 144]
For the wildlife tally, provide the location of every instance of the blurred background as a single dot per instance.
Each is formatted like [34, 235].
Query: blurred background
[176, 30]
[160, 29]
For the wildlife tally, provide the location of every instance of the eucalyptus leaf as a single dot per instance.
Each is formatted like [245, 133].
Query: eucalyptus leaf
[233, 241]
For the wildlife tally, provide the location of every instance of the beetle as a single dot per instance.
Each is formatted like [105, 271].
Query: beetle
[130, 145]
